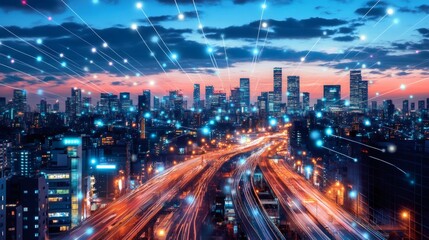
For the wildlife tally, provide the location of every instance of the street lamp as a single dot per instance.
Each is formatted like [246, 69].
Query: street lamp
[407, 215]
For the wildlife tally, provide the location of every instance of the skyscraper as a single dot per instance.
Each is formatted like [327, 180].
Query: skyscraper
[244, 94]
[358, 91]
[43, 106]
[125, 101]
[19, 101]
[143, 103]
[355, 78]
[75, 102]
[332, 95]
[197, 96]
[293, 102]
[405, 107]
[277, 88]
[155, 102]
[306, 101]
[209, 94]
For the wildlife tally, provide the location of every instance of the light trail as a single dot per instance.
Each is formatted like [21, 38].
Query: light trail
[340, 153]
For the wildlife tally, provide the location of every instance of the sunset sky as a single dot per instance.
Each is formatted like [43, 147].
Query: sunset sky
[50, 46]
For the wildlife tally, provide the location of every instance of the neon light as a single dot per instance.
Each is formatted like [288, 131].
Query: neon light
[105, 166]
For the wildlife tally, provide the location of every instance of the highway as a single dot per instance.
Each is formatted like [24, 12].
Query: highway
[253, 218]
[312, 208]
[126, 217]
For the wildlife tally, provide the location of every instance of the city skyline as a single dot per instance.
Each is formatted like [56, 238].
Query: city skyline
[74, 48]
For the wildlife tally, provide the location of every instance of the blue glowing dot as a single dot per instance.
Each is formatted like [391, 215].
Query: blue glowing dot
[146, 115]
[206, 130]
[210, 50]
[154, 39]
[93, 161]
[164, 65]
[353, 194]
[178, 125]
[39, 91]
[39, 41]
[273, 122]
[95, 1]
[39, 58]
[318, 114]
[190, 199]
[211, 122]
[255, 51]
[89, 231]
[174, 56]
[367, 123]
[315, 135]
[63, 64]
[217, 118]
[329, 131]
[319, 143]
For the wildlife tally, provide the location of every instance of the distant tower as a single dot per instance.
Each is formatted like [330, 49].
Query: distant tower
[197, 96]
[244, 93]
[277, 74]
[293, 94]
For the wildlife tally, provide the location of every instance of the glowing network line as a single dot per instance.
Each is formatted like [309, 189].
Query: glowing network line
[47, 54]
[171, 55]
[71, 9]
[391, 164]
[340, 153]
[363, 144]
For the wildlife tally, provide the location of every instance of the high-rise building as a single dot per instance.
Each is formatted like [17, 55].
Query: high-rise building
[277, 74]
[234, 99]
[87, 105]
[293, 95]
[143, 103]
[65, 176]
[75, 102]
[374, 105]
[363, 95]
[421, 105]
[405, 107]
[332, 96]
[244, 94]
[358, 91]
[56, 107]
[43, 107]
[413, 107]
[23, 161]
[209, 94]
[19, 101]
[306, 101]
[197, 96]
[388, 109]
[31, 194]
[156, 103]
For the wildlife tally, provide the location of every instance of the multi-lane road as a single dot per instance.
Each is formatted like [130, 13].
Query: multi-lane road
[126, 217]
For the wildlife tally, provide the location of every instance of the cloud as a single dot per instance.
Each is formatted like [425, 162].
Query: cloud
[345, 38]
[169, 2]
[289, 28]
[418, 9]
[53, 6]
[166, 18]
[424, 32]
[241, 2]
[372, 9]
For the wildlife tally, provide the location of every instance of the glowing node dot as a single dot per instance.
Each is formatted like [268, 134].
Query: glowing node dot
[12, 61]
[390, 11]
[39, 58]
[110, 63]
[411, 96]
[302, 59]
[200, 26]
[396, 20]
[61, 55]
[93, 50]
[90, 61]
[135, 84]
[134, 26]
[39, 41]
[95, 76]
[105, 45]
[23, 2]
[181, 16]
[209, 50]
[63, 64]
[151, 82]
[255, 51]
[362, 37]
[95, 1]
[264, 6]
[377, 94]
[125, 60]
[139, 5]
[378, 63]
[403, 86]
[164, 65]
[363, 65]
[325, 33]
[264, 25]
[174, 56]
[49, 18]
[417, 51]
